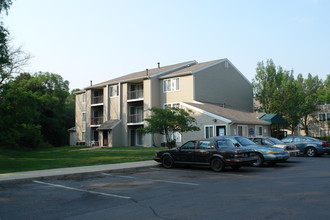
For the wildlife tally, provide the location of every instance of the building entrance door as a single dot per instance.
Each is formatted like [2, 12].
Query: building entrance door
[105, 138]
[221, 130]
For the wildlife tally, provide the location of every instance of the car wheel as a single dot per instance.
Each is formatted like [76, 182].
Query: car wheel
[311, 152]
[236, 167]
[259, 162]
[167, 162]
[217, 164]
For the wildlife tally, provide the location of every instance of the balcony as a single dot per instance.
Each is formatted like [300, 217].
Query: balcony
[96, 121]
[136, 94]
[135, 118]
[97, 100]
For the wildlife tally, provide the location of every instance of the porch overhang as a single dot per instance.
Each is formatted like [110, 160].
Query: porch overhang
[108, 125]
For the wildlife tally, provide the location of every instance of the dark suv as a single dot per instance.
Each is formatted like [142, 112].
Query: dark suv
[215, 152]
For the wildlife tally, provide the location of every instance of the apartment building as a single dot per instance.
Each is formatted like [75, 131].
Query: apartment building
[220, 97]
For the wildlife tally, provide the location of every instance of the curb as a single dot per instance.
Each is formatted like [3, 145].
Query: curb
[21, 177]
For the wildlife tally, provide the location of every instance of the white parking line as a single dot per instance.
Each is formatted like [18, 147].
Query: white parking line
[221, 173]
[82, 190]
[163, 181]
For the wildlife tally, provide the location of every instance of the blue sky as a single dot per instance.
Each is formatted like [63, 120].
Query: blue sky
[98, 40]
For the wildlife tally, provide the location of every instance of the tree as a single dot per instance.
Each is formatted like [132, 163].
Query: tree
[324, 93]
[279, 92]
[39, 106]
[267, 86]
[169, 121]
[4, 51]
[309, 98]
[12, 59]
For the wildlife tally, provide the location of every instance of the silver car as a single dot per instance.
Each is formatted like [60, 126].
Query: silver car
[312, 147]
[291, 148]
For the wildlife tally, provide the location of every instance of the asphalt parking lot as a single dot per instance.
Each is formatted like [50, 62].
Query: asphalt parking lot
[298, 189]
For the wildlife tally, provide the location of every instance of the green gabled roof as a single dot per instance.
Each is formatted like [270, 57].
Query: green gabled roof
[273, 118]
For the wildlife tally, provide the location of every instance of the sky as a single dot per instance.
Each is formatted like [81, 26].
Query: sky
[84, 40]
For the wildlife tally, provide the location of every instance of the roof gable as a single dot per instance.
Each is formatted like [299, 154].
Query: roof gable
[145, 74]
[231, 115]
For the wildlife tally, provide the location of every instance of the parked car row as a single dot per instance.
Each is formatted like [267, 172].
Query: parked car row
[237, 151]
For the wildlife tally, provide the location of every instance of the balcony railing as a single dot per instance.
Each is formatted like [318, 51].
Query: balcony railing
[135, 118]
[136, 94]
[97, 100]
[96, 120]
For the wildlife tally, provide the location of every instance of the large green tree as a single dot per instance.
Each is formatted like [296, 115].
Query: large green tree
[309, 98]
[169, 121]
[278, 91]
[38, 104]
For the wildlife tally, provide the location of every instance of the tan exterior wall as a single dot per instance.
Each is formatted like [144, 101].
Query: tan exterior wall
[80, 108]
[184, 94]
[114, 107]
[219, 84]
[250, 130]
[124, 131]
[317, 127]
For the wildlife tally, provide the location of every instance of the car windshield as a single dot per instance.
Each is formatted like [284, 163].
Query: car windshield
[275, 140]
[225, 143]
[244, 141]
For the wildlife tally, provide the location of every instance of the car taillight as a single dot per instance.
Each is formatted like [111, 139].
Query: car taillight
[324, 144]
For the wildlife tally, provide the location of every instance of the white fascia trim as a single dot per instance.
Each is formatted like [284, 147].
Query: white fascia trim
[197, 102]
[208, 66]
[221, 61]
[113, 126]
[239, 72]
[174, 69]
[206, 113]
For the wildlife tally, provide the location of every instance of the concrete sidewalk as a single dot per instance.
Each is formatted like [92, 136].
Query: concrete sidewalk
[39, 174]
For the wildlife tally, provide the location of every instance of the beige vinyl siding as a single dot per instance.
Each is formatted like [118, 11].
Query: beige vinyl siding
[218, 84]
[80, 109]
[114, 108]
[184, 94]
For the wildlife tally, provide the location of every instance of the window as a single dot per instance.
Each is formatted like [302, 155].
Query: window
[204, 145]
[322, 117]
[113, 90]
[225, 143]
[242, 130]
[84, 98]
[83, 136]
[172, 105]
[287, 140]
[84, 116]
[259, 131]
[175, 136]
[189, 145]
[208, 131]
[328, 116]
[171, 85]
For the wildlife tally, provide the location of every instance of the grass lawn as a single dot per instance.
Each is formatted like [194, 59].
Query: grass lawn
[13, 160]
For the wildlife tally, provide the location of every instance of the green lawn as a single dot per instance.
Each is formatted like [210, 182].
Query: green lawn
[12, 160]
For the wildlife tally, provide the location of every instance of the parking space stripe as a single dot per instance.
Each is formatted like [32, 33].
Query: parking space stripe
[213, 174]
[82, 190]
[163, 181]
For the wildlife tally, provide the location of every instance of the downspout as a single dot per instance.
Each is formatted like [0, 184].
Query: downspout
[119, 101]
[229, 128]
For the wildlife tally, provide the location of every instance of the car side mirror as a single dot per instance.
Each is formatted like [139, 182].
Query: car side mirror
[237, 145]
